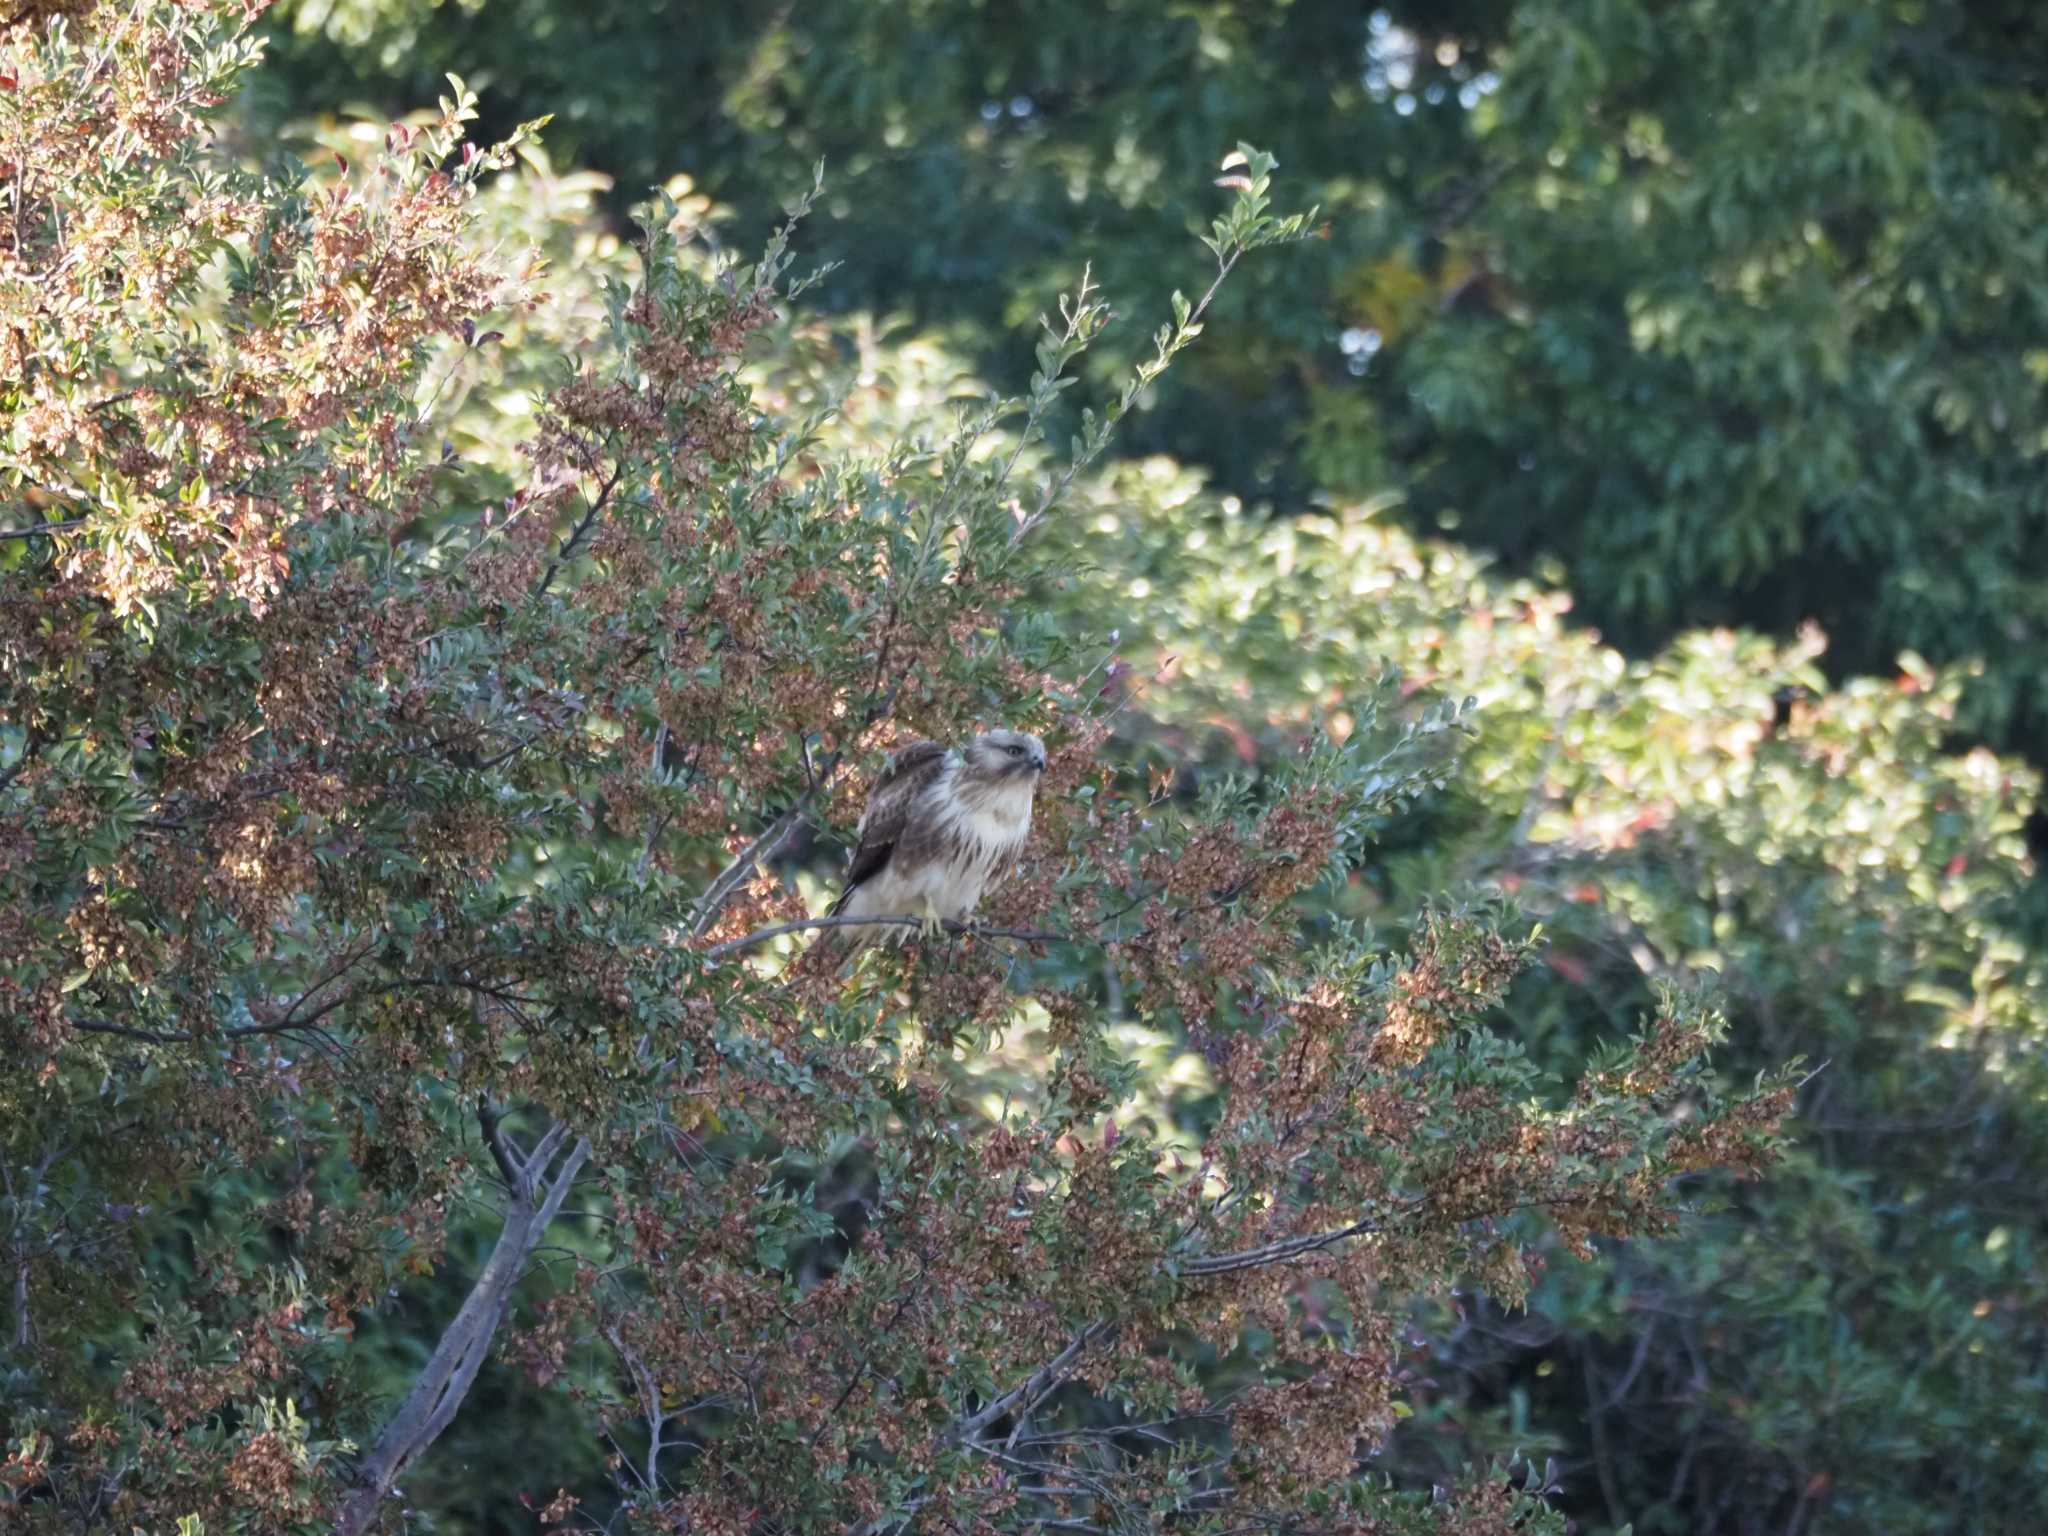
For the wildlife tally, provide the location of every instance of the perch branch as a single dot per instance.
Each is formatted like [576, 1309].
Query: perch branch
[761, 936]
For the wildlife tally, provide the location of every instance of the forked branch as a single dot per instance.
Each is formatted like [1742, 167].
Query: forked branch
[438, 1391]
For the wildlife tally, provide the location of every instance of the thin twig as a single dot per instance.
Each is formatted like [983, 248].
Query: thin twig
[575, 539]
[867, 1358]
[1277, 1252]
[968, 930]
[288, 1023]
[42, 530]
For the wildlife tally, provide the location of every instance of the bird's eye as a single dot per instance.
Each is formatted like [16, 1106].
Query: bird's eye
[1014, 751]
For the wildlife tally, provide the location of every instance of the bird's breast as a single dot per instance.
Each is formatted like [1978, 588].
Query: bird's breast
[995, 822]
[981, 831]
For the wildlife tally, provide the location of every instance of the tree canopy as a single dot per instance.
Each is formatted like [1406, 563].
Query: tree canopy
[452, 602]
[1738, 311]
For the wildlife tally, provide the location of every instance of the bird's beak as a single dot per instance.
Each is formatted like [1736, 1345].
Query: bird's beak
[1038, 763]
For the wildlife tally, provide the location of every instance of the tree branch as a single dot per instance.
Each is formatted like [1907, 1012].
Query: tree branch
[1468, 199]
[42, 530]
[445, 1381]
[967, 930]
[1277, 1252]
[1042, 1382]
[22, 1200]
[769, 843]
[31, 745]
[492, 1120]
[1033, 1387]
[287, 1022]
[570, 544]
[766, 846]
[187, 1037]
[650, 1403]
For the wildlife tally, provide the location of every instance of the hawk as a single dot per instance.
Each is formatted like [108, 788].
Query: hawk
[939, 823]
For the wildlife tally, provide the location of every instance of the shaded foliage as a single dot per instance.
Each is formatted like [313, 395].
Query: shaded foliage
[1736, 310]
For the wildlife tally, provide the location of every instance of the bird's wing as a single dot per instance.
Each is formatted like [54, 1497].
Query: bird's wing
[908, 774]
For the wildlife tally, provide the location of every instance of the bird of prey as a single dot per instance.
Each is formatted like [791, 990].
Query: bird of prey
[938, 826]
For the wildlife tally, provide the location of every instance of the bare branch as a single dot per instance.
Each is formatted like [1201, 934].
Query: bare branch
[22, 1200]
[492, 1120]
[1033, 1388]
[439, 1389]
[860, 1371]
[42, 530]
[655, 822]
[32, 745]
[1278, 1252]
[576, 534]
[764, 847]
[966, 930]
[287, 1023]
[650, 1403]
[543, 1150]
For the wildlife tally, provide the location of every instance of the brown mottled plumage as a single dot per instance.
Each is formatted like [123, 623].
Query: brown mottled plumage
[938, 827]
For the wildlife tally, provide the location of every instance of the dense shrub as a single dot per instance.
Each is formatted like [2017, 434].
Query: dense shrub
[383, 846]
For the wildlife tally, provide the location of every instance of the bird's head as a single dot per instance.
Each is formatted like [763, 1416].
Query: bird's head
[1005, 756]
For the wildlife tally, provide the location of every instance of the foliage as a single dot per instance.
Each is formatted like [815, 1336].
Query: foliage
[382, 845]
[1738, 310]
[1856, 1346]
